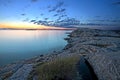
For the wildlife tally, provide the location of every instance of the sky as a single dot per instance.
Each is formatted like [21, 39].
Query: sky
[59, 12]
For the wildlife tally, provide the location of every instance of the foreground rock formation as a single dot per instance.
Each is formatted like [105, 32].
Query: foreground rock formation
[100, 48]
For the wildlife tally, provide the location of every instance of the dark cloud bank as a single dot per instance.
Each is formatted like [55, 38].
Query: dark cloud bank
[117, 3]
[58, 23]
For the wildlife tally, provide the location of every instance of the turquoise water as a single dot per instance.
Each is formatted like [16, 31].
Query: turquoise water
[16, 45]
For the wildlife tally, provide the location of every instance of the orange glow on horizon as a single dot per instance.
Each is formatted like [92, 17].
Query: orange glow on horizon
[24, 25]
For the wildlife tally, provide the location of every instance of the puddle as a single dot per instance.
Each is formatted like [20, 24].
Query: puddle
[85, 70]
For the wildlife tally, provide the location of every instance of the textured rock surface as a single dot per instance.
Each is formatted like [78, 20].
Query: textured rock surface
[102, 50]
[106, 66]
[9, 70]
[22, 73]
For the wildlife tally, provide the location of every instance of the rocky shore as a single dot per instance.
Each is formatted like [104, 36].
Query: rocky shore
[101, 48]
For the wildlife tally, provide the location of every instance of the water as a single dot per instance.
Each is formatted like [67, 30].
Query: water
[17, 45]
[86, 72]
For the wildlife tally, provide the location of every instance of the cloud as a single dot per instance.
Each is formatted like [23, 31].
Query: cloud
[58, 5]
[34, 0]
[39, 22]
[55, 14]
[49, 6]
[68, 22]
[27, 19]
[58, 19]
[23, 14]
[97, 16]
[117, 3]
[60, 10]
[53, 9]
[6, 3]
[109, 20]
[63, 15]
[9, 1]
[27, 6]
[50, 21]
[32, 20]
[41, 14]
[46, 18]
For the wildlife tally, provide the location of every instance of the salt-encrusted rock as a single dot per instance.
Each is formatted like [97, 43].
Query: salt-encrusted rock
[22, 73]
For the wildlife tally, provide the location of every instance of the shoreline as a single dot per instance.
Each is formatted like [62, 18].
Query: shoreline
[97, 47]
[36, 29]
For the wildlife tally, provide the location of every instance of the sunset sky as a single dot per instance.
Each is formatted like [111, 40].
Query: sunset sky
[36, 13]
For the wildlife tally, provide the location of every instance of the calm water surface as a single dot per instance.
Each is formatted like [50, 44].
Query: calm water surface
[16, 45]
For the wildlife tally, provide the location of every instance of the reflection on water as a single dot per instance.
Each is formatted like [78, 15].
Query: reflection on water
[20, 44]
